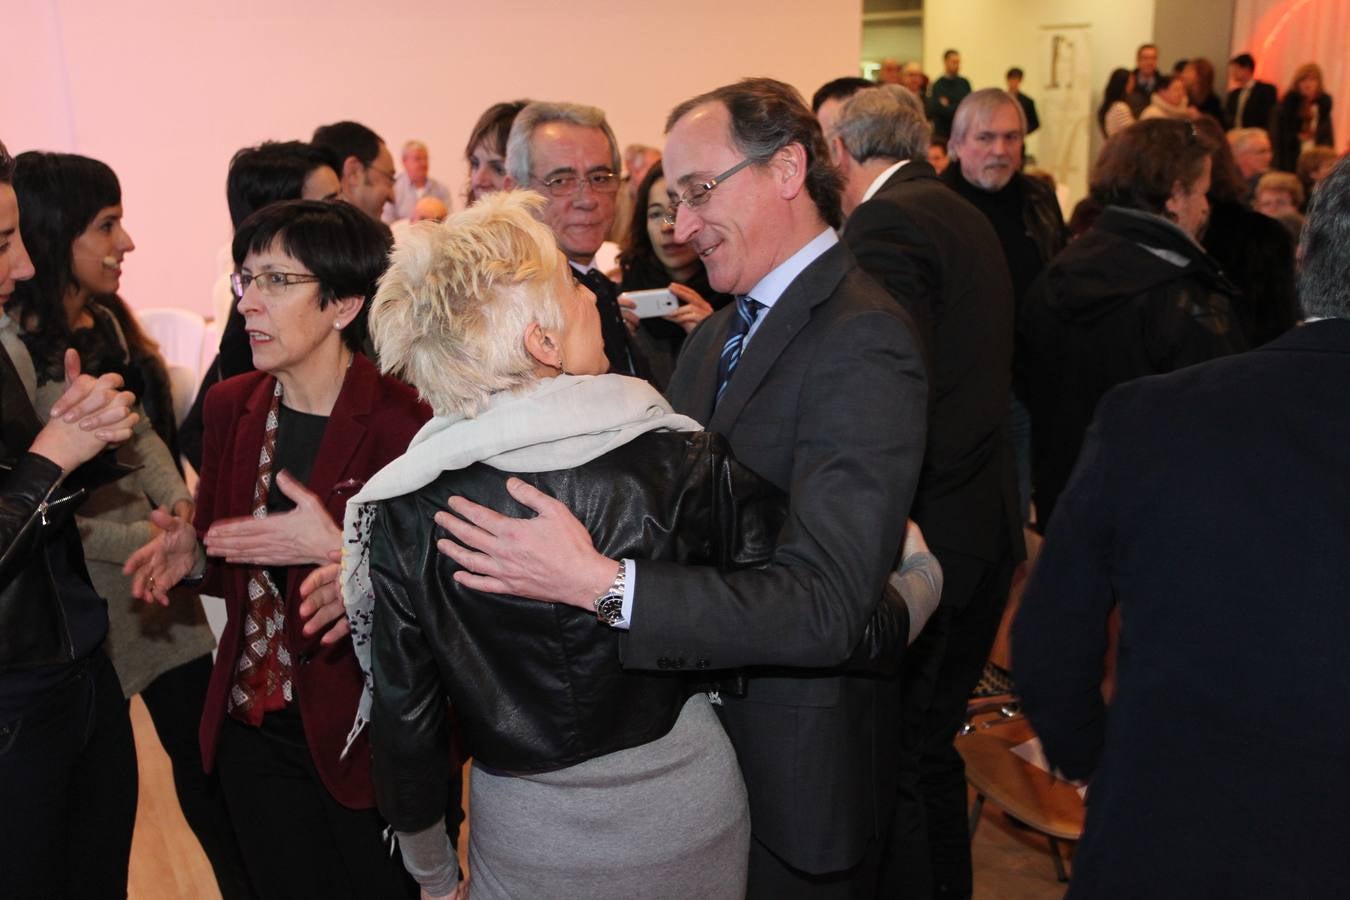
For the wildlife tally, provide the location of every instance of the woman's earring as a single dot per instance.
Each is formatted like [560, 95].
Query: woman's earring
[562, 366]
[337, 325]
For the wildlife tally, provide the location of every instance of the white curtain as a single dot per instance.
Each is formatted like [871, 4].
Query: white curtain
[1284, 34]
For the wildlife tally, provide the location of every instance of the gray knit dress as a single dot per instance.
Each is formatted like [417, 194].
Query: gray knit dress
[666, 819]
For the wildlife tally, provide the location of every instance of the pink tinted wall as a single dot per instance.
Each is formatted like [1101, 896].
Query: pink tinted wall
[165, 92]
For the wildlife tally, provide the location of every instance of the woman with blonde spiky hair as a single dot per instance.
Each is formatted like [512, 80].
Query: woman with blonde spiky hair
[589, 780]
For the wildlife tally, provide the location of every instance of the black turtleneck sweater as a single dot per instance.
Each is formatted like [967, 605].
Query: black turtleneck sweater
[1006, 210]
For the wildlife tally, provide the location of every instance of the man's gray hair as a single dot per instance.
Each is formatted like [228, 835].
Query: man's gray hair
[1324, 250]
[519, 164]
[1240, 138]
[414, 145]
[978, 108]
[884, 122]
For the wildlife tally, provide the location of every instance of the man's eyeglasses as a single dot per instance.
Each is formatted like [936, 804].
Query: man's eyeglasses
[270, 284]
[697, 195]
[390, 175]
[566, 185]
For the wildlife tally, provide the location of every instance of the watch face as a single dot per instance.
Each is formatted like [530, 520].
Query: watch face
[609, 609]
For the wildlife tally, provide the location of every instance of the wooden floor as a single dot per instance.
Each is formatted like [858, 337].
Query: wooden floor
[168, 864]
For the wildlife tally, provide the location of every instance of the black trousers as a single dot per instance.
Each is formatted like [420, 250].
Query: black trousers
[929, 847]
[296, 840]
[68, 787]
[174, 701]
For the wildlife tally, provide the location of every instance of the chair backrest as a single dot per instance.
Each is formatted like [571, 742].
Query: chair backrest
[222, 299]
[210, 345]
[179, 333]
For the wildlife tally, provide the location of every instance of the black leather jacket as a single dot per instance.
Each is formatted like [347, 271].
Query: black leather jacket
[35, 513]
[534, 686]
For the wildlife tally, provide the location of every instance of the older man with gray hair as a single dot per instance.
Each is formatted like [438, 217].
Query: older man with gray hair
[986, 152]
[940, 259]
[567, 152]
[414, 183]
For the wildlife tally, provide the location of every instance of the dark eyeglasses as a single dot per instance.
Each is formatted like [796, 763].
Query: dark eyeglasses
[566, 185]
[698, 195]
[390, 175]
[270, 284]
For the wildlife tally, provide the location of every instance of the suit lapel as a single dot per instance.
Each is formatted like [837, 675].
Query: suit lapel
[781, 324]
[694, 383]
[341, 449]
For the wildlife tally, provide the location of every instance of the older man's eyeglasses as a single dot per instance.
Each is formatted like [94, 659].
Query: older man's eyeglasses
[566, 185]
[270, 284]
[698, 194]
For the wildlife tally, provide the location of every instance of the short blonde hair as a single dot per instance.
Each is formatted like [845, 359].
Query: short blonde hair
[1281, 181]
[451, 312]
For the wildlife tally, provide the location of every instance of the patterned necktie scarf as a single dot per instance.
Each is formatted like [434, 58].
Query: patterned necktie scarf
[747, 310]
[262, 680]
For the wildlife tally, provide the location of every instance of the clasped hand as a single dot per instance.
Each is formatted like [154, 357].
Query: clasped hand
[91, 414]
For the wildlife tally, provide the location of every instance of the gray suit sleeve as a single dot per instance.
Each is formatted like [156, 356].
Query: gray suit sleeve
[860, 428]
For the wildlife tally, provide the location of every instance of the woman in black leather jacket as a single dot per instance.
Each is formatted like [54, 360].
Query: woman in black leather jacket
[589, 780]
[67, 765]
[1136, 295]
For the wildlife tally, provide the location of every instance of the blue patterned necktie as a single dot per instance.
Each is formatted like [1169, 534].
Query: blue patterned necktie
[747, 310]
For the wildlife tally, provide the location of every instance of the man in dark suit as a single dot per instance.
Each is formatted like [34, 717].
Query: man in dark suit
[1211, 505]
[816, 378]
[940, 259]
[1145, 78]
[568, 153]
[1251, 104]
[1028, 105]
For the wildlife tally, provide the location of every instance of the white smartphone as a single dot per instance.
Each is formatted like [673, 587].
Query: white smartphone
[653, 303]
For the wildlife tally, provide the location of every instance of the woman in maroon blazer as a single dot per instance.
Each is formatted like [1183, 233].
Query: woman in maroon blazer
[285, 447]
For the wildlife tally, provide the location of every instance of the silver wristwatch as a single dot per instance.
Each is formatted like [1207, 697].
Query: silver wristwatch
[609, 605]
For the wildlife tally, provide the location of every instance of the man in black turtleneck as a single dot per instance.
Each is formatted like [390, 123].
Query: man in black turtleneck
[986, 152]
[986, 162]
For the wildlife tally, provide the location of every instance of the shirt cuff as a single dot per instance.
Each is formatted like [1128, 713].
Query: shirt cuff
[629, 577]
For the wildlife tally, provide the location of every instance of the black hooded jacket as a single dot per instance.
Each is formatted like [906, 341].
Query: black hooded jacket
[1134, 296]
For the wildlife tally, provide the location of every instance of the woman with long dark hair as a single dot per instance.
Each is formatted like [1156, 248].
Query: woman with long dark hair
[72, 224]
[1115, 115]
[654, 259]
[1198, 75]
[1303, 119]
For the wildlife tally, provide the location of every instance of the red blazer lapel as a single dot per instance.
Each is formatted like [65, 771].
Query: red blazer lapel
[342, 451]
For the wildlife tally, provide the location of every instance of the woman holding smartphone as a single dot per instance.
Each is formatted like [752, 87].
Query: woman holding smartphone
[654, 259]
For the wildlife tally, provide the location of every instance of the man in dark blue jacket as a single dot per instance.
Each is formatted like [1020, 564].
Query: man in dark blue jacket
[1211, 505]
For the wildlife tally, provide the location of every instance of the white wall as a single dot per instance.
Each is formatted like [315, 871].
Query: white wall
[993, 35]
[165, 91]
[1187, 28]
[902, 42]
